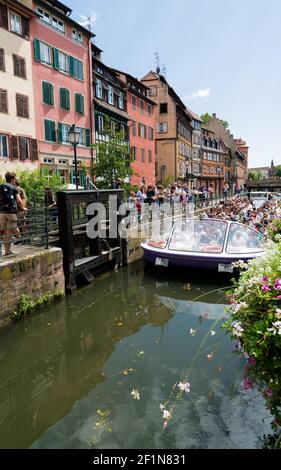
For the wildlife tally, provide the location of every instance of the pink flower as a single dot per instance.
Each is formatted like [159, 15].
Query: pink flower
[248, 384]
[184, 386]
[265, 279]
[268, 392]
[252, 361]
[265, 287]
[278, 297]
[165, 424]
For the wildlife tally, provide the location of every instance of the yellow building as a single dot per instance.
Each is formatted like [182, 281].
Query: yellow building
[18, 144]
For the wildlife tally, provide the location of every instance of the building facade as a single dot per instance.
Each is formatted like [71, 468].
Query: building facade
[18, 143]
[239, 160]
[141, 130]
[213, 164]
[61, 67]
[173, 136]
[110, 101]
[196, 148]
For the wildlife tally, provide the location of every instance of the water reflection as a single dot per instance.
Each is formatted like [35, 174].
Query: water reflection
[67, 373]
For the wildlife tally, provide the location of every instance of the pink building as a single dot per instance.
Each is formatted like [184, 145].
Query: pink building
[61, 68]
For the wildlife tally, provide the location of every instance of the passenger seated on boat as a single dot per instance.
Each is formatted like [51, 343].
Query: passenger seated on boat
[253, 240]
[238, 241]
[203, 238]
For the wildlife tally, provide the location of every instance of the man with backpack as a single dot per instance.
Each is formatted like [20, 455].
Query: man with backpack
[10, 201]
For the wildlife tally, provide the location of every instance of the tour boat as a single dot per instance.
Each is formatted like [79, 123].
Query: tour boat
[203, 243]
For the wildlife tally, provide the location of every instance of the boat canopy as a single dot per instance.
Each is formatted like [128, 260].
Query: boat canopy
[210, 236]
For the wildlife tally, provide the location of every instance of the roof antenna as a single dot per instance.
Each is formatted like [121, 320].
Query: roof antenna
[157, 62]
[164, 71]
[88, 21]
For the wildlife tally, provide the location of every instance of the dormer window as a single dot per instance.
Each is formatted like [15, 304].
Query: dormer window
[76, 36]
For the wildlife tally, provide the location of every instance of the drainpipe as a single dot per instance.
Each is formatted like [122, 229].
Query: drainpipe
[91, 108]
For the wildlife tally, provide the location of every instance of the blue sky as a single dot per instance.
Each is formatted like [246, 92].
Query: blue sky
[221, 56]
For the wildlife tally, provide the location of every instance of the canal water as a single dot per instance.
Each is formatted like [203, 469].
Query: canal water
[67, 373]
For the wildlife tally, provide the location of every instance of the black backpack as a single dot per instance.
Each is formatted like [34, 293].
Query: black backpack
[7, 198]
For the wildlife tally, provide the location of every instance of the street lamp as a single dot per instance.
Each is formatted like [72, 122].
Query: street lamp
[74, 136]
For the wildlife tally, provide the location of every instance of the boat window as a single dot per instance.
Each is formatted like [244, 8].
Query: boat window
[243, 240]
[204, 236]
[161, 234]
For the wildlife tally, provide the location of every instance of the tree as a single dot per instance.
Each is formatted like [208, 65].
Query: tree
[35, 182]
[113, 159]
[254, 176]
[206, 118]
[277, 171]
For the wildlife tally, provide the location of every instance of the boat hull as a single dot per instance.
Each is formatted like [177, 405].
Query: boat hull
[190, 261]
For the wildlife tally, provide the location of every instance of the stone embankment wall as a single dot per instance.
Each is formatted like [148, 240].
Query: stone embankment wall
[32, 273]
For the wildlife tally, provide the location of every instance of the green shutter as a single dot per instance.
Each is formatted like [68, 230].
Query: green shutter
[60, 132]
[79, 103]
[80, 70]
[56, 58]
[48, 93]
[67, 99]
[64, 99]
[88, 137]
[36, 44]
[71, 65]
[50, 130]
[51, 90]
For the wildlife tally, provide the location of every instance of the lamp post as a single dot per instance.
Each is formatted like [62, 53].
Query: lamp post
[74, 136]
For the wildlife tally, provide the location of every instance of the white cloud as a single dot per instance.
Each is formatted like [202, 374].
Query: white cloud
[199, 94]
[88, 21]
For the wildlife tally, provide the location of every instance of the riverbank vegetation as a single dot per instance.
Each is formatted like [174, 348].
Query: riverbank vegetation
[26, 305]
[255, 323]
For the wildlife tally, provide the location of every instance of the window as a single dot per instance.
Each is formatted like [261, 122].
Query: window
[44, 15]
[42, 52]
[65, 99]
[149, 109]
[113, 126]
[48, 93]
[98, 89]
[152, 91]
[58, 24]
[50, 130]
[22, 105]
[62, 62]
[79, 103]
[77, 36]
[149, 156]
[162, 127]
[4, 146]
[19, 66]
[142, 131]
[3, 101]
[150, 133]
[121, 100]
[110, 95]
[134, 153]
[134, 102]
[63, 133]
[24, 148]
[122, 130]
[163, 108]
[143, 155]
[100, 123]
[134, 128]
[2, 60]
[15, 23]
[75, 68]
[82, 135]
[141, 106]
